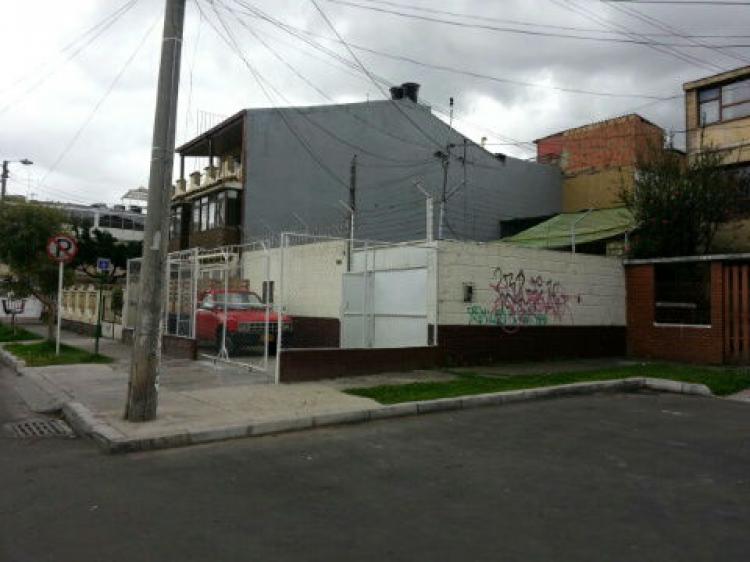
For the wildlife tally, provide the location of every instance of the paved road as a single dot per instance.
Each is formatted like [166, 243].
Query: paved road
[612, 477]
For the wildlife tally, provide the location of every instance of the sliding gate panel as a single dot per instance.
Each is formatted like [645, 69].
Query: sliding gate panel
[384, 309]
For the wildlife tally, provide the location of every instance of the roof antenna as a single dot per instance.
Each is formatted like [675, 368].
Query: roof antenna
[451, 113]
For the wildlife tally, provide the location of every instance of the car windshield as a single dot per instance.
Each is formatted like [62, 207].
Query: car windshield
[238, 300]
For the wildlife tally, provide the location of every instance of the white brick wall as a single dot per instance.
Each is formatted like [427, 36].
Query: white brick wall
[557, 288]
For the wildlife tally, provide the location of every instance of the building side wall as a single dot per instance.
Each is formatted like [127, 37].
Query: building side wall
[674, 343]
[298, 171]
[530, 287]
[613, 143]
[597, 189]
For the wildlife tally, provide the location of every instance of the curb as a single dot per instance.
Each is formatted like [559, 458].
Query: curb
[7, 358]
[110, 440]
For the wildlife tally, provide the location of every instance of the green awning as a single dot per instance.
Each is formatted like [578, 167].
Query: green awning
[589, 226]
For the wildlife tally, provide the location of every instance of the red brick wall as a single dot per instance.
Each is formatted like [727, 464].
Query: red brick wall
[611, 143]
[300, 365]
[693, 345]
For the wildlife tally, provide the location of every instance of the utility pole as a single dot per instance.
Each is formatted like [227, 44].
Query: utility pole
[353, 208]
[4, 179]
[446, 158]
[143, 384]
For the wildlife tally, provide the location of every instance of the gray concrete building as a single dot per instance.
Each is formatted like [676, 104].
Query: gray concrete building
[264, 171]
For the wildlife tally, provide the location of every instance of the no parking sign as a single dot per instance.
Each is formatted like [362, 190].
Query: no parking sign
[62, 248]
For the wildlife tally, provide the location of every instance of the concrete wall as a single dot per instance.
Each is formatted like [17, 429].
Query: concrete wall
[516, 286]
[312, 276]
[283, 178]
[597, 189]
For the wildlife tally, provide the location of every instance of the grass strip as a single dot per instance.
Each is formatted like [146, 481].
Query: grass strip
[6, 334]
[43, 353]
[721, 381]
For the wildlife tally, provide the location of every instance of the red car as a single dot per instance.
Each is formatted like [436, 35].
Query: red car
[245, 320]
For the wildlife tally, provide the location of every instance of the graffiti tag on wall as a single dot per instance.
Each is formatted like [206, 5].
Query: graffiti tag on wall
[521, 301]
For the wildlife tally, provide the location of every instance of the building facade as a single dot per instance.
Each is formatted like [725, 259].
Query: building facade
[717, 118]
[599, 160]
[263, 171]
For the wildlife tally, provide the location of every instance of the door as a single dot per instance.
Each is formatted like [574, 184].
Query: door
[737, 313]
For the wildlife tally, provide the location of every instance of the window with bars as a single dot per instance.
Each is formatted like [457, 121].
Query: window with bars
[682, 293]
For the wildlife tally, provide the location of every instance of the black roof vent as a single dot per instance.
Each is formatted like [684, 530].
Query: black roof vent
[397, 93]
[411, 90]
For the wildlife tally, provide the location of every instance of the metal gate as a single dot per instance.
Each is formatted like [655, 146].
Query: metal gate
[737, 313]
[386, 308]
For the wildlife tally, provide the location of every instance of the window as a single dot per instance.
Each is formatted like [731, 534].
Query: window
[683, 293]
[175, 223]
[221, 208]
[204, 213]
[212, 213]
[730, 101]
[196, 215]
[710, 101]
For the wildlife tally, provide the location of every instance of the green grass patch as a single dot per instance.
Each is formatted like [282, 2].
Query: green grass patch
[43, 353]
[721, 381]
[6, 334]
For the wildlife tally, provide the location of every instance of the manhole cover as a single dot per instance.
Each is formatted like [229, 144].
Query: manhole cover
[34, 429]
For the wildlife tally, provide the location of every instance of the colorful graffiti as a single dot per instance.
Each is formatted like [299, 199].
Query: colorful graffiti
[520, 301]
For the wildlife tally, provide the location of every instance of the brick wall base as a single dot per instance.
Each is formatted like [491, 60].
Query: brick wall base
[173, 346]
[672, 343]
[301, 365]
[476, 345]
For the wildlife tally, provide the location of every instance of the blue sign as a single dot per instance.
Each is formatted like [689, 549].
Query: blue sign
[103, 264]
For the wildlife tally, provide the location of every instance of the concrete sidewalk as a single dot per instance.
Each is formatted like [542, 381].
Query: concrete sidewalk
[202, 401]
[195, 397]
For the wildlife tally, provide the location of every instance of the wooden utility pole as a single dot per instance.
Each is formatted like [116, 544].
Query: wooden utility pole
[146, 359]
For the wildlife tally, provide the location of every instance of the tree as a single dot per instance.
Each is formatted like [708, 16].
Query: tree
[94, 244]
[24, 231]
[677, 205]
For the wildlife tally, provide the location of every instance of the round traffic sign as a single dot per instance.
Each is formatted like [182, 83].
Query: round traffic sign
[62, 248]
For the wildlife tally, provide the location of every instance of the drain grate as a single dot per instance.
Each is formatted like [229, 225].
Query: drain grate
[34, 429]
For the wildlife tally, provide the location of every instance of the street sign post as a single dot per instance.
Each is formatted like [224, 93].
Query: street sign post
[61, 248]
[102, 266]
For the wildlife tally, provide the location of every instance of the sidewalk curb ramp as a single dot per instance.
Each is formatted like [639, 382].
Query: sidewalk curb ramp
[110, 440]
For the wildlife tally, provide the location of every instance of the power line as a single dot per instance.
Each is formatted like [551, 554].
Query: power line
[649, 20]
[102, 26]
[537, 24]
[484, 76]
[232, 43]
[370, 76]
[99, 103]
[324, 95]
[668, 50]
[511, 30]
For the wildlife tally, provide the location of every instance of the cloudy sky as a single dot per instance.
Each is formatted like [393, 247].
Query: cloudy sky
[79, 77]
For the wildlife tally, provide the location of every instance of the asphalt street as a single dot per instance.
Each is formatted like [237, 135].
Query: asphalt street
[608, 477]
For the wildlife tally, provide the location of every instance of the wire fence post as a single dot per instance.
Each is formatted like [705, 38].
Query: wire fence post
[280, 310]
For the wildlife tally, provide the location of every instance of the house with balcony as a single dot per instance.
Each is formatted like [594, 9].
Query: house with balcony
[268, 170]
[717, 118]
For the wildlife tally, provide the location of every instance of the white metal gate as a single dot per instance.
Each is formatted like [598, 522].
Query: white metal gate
[385, 308]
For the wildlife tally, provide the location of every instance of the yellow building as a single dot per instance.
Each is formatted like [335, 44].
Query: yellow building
[717, 118]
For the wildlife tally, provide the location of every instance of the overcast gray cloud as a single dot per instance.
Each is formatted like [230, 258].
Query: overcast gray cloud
[45, 100]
